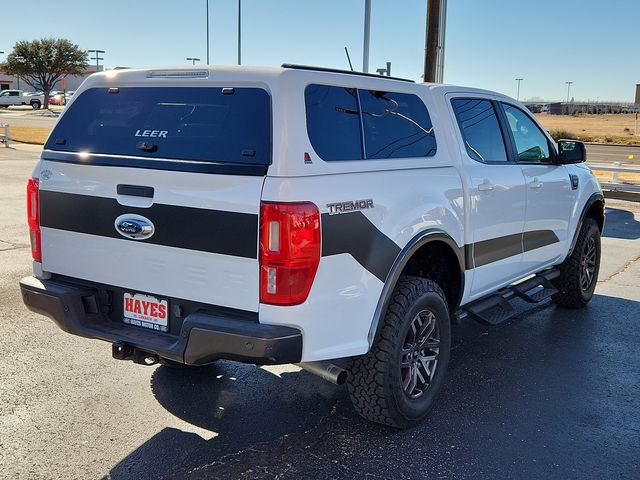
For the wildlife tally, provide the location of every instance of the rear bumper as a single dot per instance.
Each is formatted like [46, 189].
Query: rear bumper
[204, 336]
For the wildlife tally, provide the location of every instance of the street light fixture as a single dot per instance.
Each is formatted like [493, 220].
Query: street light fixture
[97, 57]
[518, 80]
[193, 59]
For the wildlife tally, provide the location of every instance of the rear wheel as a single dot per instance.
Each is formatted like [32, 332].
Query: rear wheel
[35, 105]
[397, 381]
[579, 272]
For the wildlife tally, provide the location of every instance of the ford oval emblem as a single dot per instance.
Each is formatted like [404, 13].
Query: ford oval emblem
[133, 226]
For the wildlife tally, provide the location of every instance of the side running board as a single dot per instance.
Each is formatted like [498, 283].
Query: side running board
[496, 308]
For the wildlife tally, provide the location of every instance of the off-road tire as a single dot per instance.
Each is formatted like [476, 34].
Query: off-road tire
[571, 293]
[375, 380]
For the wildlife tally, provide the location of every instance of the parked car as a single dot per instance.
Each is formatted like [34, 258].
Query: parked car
[56, 98]
[10, 98]
[304, 215]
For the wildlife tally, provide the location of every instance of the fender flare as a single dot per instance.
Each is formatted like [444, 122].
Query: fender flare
[420, 240]
[596, 197]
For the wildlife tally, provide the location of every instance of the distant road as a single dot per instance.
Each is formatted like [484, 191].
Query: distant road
[26, 118]
[613, 153]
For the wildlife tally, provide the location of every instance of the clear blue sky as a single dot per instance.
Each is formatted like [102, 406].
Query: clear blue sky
[489, 42]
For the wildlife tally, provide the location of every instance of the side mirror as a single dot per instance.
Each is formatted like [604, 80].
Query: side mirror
[571, 151]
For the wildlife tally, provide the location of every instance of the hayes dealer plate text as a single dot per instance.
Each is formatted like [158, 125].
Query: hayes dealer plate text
[146, 311]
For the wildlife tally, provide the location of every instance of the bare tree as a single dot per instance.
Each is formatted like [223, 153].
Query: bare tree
[41, 63]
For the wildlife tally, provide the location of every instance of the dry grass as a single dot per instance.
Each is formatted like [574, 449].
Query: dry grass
[617, 128]
[629, 178]
[24, 134]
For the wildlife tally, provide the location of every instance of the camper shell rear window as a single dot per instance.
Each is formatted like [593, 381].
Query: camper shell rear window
[203, 124]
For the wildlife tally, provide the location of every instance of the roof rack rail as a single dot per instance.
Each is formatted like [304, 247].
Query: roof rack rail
[337, 70]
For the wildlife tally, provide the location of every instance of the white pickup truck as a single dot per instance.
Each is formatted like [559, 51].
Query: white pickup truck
[304, 215]
[20, 97]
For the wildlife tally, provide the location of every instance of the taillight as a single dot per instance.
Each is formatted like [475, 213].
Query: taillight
[33, 218]
[289, 251]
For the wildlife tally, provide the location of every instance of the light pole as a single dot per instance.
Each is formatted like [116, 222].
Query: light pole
[193, 59]
[367, 36]
[207, 32]
[97, 57]
[239, 32]
[518, 80]
[568, 90]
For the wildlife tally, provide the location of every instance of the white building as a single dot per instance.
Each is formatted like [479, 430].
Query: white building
[72, 82]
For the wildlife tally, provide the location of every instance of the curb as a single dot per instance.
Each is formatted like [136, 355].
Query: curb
[612, 145]
[626, 195]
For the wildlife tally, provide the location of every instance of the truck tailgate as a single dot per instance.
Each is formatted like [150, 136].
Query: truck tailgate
[205, 231]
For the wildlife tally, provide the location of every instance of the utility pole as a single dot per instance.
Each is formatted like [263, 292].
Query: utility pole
[435, 41]
[239, 32]
[518, 80]
[367, 36]
[97, 58]
[193, 59]
[207, 32]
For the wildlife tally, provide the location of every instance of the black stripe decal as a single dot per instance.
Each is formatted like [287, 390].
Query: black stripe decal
[468, 256]
[354, 234]
[538, 238]
[214, 231]
[489, 251]
[495, 249]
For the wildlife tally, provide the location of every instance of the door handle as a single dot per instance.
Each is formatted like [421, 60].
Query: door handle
[485, 187]
[135, 190]
[536, 183]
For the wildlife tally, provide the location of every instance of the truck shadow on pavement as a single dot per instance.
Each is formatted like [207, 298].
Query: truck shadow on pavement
[621, 224]
[516, 396]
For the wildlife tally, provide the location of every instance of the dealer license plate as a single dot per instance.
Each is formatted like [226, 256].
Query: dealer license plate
[146, 311]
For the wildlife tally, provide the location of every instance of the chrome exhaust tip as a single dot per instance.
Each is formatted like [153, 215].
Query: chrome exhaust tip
[326, 370]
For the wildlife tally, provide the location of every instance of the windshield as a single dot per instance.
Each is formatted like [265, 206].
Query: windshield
[211, 124]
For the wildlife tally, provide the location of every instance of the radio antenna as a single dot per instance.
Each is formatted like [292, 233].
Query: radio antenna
[348, 58]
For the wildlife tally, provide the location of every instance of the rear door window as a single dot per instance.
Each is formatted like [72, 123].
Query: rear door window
[211, 124]
[333, 122]
[396, 125]
[480, 129]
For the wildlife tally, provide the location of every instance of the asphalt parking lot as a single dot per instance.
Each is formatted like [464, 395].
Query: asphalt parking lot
[552, 394]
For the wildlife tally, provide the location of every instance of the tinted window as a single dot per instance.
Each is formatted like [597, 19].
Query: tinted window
[531, 143]
[396, 125]
[333, 122]
[480, 129]
[177, 122]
